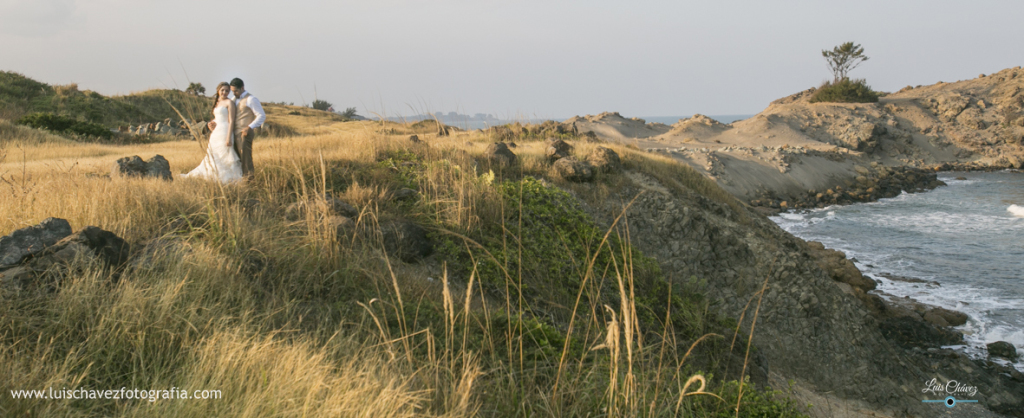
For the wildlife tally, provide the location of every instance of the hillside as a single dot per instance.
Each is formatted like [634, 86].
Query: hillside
[368, 272]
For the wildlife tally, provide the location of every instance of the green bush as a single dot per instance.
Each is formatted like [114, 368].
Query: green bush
[321, 104]
[845, 91]
[65, 125]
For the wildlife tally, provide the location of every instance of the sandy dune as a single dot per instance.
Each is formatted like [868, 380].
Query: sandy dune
[795, 149]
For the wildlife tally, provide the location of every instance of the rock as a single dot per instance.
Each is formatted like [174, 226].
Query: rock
[405, 240]
[500, 153]
[135, 166]
[343, 208]
[604, 160]
[341, 224]
[1002, 349]
[90, 243]
[935, 319]
[572, 170]
[910, 332]
[839, 268]
[414, 139]
[104, 245]
[404, 194]
[557, 149]
[25, 242]
[953, 318]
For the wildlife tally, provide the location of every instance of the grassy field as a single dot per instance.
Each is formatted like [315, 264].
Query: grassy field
[527, 308]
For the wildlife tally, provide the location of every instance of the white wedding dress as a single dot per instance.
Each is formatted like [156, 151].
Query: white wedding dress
[221, 162]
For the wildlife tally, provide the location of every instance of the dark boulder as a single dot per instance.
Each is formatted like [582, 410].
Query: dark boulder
[839, 268]
[405, 240]
[909, 332]
[1002, 349]
[32, 240]
[573, 170]
[91, 242]
[953, 318]
[414, 139]
[48, 266]
[557, 149]
[604, 160]
[134, 166]
[500, 153]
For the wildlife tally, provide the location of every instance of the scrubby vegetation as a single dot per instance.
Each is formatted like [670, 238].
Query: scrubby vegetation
[20, 95]
[65, 125]
[845, 91]
[319, 104]
[528, 307]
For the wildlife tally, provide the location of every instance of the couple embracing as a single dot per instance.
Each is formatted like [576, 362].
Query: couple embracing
[229, 153]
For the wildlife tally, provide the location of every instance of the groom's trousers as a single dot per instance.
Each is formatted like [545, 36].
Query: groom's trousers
[244, 149]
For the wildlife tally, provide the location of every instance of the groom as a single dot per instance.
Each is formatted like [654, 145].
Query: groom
[249, 115]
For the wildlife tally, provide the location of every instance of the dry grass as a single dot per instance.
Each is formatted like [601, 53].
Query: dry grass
[289, 318]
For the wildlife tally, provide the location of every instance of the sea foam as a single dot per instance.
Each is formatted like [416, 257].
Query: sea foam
[1015, 210]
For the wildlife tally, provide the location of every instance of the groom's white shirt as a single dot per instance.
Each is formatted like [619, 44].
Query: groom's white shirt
[253, 104]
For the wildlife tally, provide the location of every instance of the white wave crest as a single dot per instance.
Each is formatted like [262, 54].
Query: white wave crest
[1017, 211]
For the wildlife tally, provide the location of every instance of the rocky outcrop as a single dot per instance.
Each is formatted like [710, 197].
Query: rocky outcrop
[839, 268]
[872, 182]
[808, 326]
[165, 127]
[134, 166]
[499, 153]
[604, 160]
[1002, 349]
[26, 242]
[405, 240]
[557, 148]
[44, 268]
[571, 169]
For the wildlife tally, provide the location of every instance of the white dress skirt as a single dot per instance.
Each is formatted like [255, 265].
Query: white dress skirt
[221, 162]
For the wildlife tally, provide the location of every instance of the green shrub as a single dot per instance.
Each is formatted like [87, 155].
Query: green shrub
[321, 104]
[845, 91]
[65, 125]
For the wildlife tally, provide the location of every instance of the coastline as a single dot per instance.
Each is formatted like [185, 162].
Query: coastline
[904, 287]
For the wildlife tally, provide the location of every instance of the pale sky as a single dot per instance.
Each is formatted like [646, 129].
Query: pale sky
[512, 58]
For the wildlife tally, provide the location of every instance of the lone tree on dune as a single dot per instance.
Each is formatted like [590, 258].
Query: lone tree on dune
[196, 89]
[349, 113]
[844, 58]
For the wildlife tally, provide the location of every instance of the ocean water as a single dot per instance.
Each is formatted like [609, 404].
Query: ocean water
[967, 236]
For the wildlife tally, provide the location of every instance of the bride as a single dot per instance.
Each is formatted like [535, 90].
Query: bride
[221, 162]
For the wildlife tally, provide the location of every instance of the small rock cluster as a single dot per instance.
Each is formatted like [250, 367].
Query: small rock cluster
[165, 127]
[568, 167]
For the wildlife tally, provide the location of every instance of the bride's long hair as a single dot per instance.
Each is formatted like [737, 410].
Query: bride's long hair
[216, 92]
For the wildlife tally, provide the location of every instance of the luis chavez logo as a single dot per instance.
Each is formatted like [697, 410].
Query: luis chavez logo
[951, 388]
